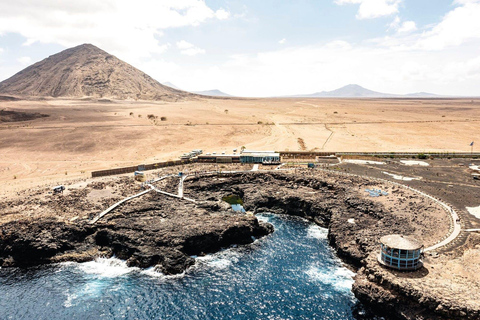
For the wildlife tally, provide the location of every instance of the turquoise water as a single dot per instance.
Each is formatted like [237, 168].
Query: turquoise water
[290, 274]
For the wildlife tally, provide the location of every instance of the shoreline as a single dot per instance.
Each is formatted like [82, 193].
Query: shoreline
[323, 198]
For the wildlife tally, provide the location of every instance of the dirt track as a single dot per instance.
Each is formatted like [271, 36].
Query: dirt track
[84, 135]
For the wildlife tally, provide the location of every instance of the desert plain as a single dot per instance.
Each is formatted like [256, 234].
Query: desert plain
[78, 136]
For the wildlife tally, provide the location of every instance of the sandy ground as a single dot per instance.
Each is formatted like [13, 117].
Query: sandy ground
[84, 135]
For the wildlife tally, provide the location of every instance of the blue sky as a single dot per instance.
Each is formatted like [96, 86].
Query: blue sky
[262, 48]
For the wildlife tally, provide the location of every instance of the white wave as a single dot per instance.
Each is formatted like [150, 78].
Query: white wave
[91, 290]
[219, 260]
[398, 177]
[69, 302]
[414, 163]
[317, 232]
[362, 161]
[474, 211]
[341, 279]
[106, 267]
[151, 272]
[263, 217]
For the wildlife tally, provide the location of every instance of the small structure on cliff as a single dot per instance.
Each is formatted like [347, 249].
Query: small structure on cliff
[264, 157]
[400, 252]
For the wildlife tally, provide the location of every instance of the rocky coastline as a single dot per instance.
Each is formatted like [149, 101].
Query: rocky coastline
[162, 232]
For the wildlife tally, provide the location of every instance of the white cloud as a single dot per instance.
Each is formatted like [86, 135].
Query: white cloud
[189, 49]
[192, 51]
[130, 29]
[25, 60]
[283, 41]
[338, 44]
[370, 9]
[221, 14]
[184, 45]
[460, 25]
[395, 24]
[466, 1]
[407, 26]
[396, 64]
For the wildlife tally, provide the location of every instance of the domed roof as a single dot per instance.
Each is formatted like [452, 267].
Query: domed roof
[398, 241]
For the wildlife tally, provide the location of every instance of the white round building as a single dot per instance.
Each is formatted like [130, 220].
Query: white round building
[400, 252]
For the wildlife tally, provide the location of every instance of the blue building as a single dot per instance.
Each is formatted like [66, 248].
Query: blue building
[400, 252]
[264, 157]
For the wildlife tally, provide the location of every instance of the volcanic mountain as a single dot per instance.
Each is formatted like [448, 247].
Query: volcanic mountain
[86, 70]
[356, 91]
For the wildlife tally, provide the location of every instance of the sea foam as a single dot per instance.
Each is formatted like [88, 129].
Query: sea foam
[341, 279]
[317, 232]
[106, 267]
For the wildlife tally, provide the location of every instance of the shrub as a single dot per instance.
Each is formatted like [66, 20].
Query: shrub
[131, 113]
[163, 118]
[151, 116]
[259, 122]
[422, 156]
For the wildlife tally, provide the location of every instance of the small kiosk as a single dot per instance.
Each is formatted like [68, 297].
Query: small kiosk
[400, 252]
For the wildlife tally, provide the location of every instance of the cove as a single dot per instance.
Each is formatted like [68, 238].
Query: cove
[290, 274]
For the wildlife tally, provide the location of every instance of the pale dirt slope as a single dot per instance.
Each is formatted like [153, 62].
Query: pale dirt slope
[86, 70]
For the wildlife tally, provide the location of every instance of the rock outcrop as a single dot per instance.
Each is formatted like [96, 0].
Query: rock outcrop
[145, 235]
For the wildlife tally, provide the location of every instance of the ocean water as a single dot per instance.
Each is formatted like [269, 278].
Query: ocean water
[290, 274]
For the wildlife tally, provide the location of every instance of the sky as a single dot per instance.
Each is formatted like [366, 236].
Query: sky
[261, 48]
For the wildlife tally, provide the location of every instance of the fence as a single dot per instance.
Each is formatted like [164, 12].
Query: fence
[152, 166]
[287, 155]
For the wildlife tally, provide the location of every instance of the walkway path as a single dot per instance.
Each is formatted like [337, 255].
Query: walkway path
[101, 214]
[454, 216]
[152, 187]
[180, 185]
[455, 221]
[281, 165]
[171, 194]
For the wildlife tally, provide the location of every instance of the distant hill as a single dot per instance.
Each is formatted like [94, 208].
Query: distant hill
[211, 93]
[171, 85]
[86, 70]
[214, 93]
[349, 91]
[356, 91]
[421, 95]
